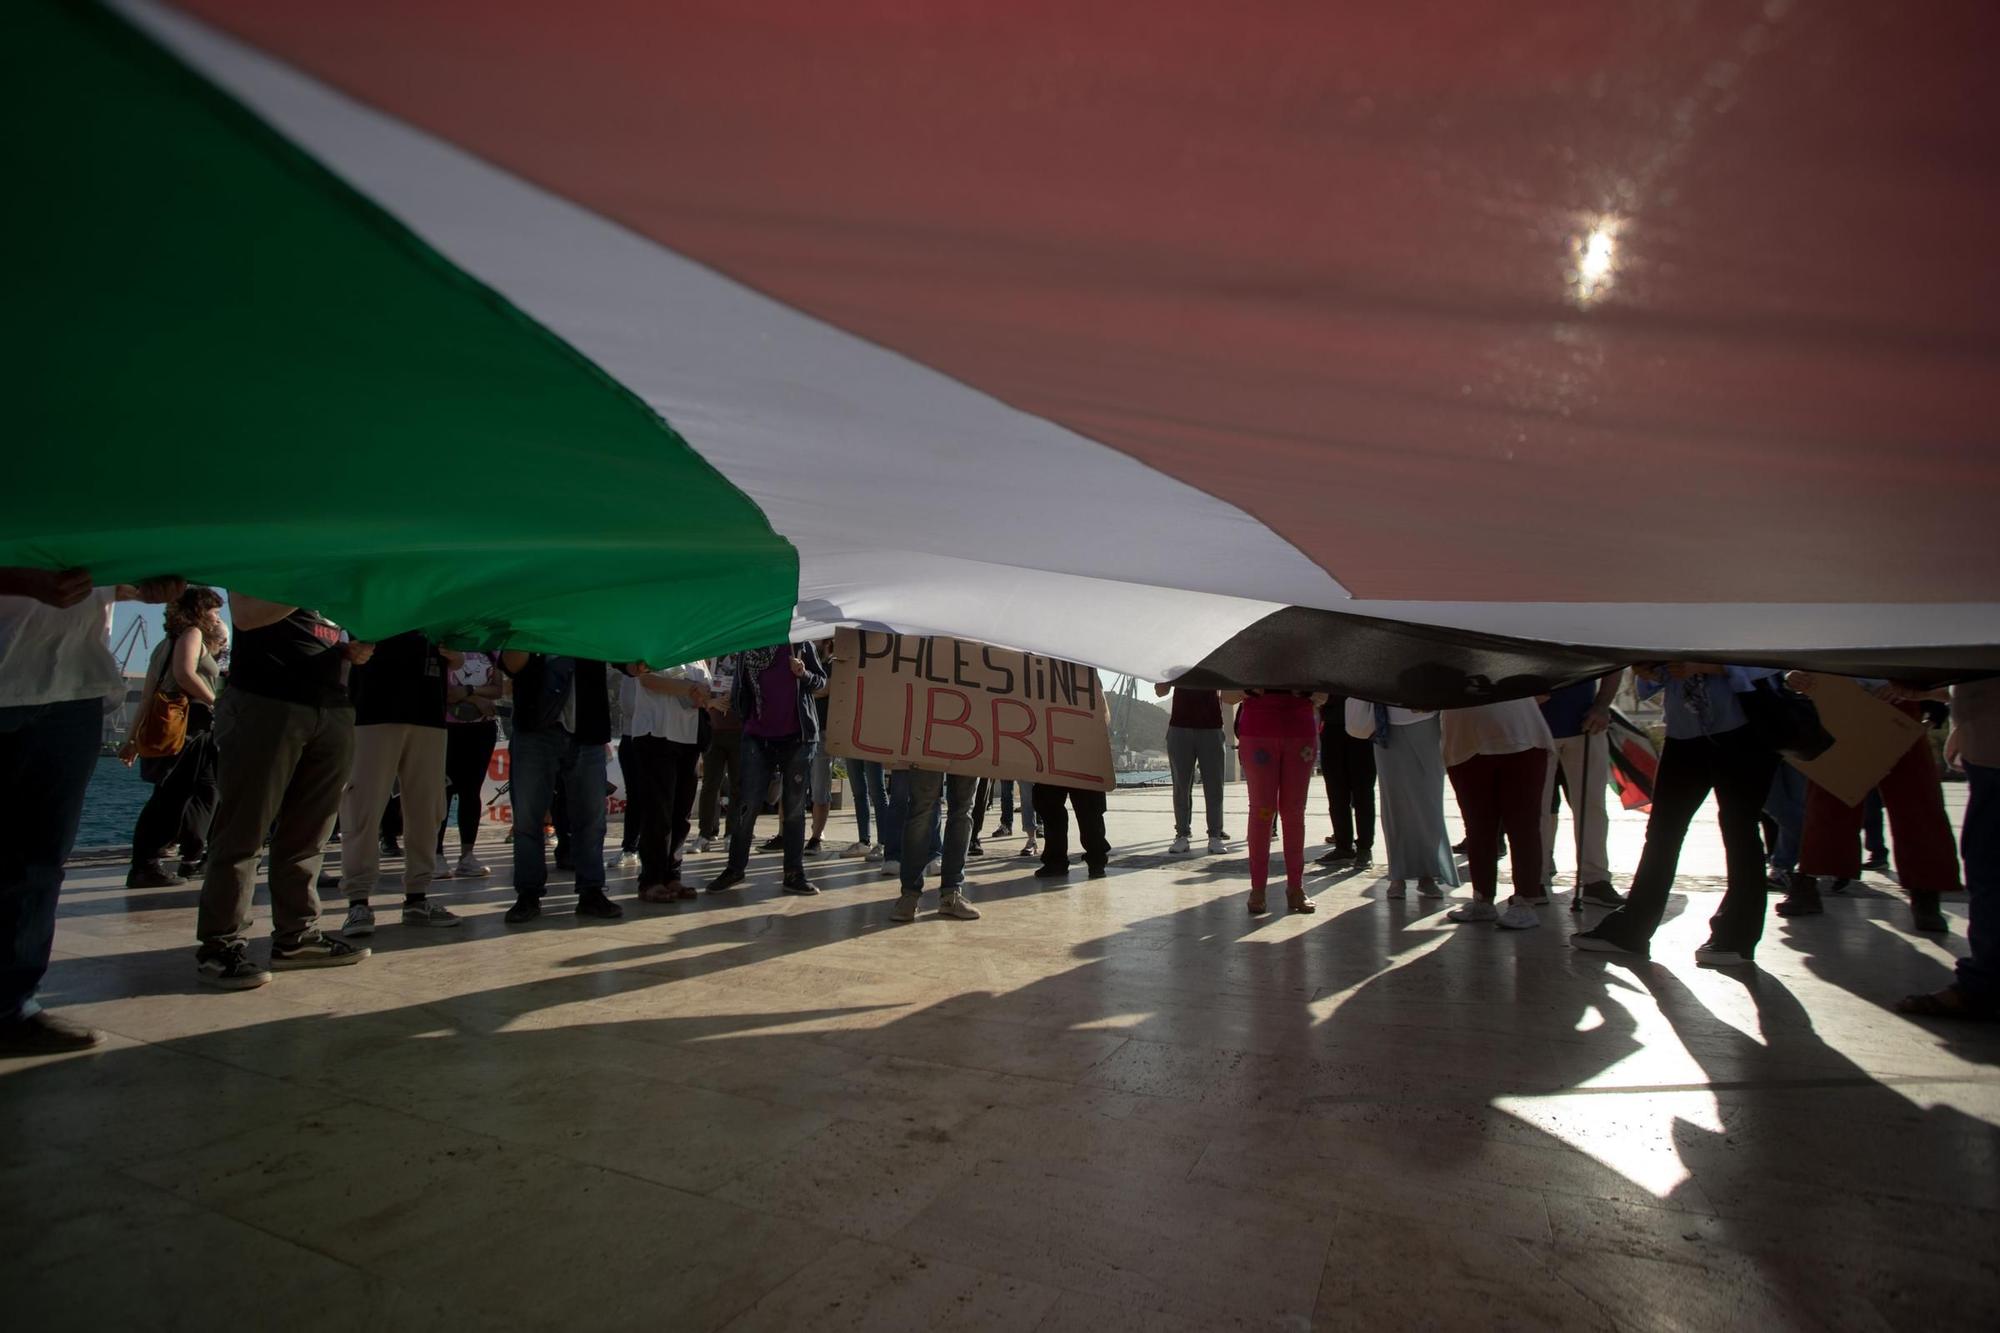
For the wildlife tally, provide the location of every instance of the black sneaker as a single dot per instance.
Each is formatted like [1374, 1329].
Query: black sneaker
[1363, 856]
[524, 910]
[1097, 872]
[1925, 914]
[1004, 831]
[1338, 856]
[152, 875]
[728, 879]
[390, 847]
[800, 885]
[1046, 871]
[776, 844]
[1597, 893]
[974, 848]
[191, 869]
[315, 950]
[1878, 862]
[44, 1033]
[228, 967]
[593, 902]
[1803, 900]
[1596, 941]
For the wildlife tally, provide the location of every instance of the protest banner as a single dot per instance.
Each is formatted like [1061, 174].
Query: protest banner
[1869, 736]
[956, 706]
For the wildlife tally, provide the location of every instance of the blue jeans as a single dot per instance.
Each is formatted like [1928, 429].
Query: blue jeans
[790, 758]
[897, 813]
[538, 758]
[871, 794]
[1786, 805]
[921, 824]
[47, 754]
[1979, 971]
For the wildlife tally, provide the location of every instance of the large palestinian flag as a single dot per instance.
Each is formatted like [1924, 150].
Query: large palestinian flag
[1382, 343]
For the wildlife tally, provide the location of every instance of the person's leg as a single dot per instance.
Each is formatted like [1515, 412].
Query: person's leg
[1590, 811]
[199, 812]
[1978, 973]
[1089, 807]
[1562, 781]
[1827, 843]
[159, 821]
[1208, 757]
[583, 774]
[641, 759]
[476, 751]
[532, 759]
[1180, 770]
[1926, 861]
[1053, 820]
[820, 784]
[1785, 803]
[1295, 773]
[1360, 772]
[628, 836]
[1006, 803]
[258, 744]
[982, 797]
[753, 775]
[682, 760]
[47, 754]
[961, 794]
[797, 764]
[920, 806]
[1679, 788]
[709, 802]
[1523, 779]
[1334, 779]
[377, 754]
[857, 781]
[1260, 770]
[896, 814]
[1474, 782]
[1873, 836]
[1743, 774]
[304, 821]
[421, 775]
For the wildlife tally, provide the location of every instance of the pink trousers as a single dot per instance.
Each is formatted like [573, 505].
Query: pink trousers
[1279, 770]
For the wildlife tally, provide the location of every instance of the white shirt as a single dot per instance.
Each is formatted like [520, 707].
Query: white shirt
[1360, 718]
[662, 715]
[1505, 728]
[51, 656]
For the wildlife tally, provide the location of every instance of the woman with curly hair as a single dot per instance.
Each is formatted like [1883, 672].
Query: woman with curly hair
[183, 798]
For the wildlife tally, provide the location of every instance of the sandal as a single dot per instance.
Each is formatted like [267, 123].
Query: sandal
[1296, 901]
[1934, 1005]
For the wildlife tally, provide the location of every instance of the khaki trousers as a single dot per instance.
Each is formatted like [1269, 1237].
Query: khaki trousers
[386, 754]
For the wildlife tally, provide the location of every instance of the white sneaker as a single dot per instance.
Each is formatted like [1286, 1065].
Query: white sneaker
[1475, 911]
[620, 861]
[1535, 897]
[890, 870]
[1217, 846]
[956, 907]
[1517, 914]
[934, 866]
[471, 867]
[702, 844]
[428, 913]
[360, 920]
[1710, 956]
[876, 853]
[1427, 888]
[856, 849]
[1396, 889]
[906, 907]
[1179, 847]
[444, 870]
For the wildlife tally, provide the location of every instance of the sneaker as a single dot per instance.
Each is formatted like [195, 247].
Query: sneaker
[228, 967]
[1518, 913]
[934, 866]
[800, 885]
[876, 854]
[776, 844]
[443, 871]
[390, 847]
[621, 860]
[1597, 893]
[360, 920]
[1396, 889]
[906, 907]
[316, 950]
[890, 870]
[975, 848]
[471, 867]
[1363, 857]
[44, 1033]
[728, 879]
[957, 908]
[1217, 846]
[1098, 872]
[152, 875]
[424, 912]
[1028, 848]
[1925, 914]
[704, 844]
[1051, 872]
[1179, 847]
[1427, 888]
[1537, 897]
[813, 847]
[329, 879]
[593, 902]
[193, 869]
[1712, 954]
[1004, 831]
[856, 849]
[1478, 910]
[1803, 900]
[1590, 941]
[1877, 862]
[523, 911]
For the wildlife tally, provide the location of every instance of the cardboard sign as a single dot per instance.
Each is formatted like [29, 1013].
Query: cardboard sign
[1869, 736]
[955, 706]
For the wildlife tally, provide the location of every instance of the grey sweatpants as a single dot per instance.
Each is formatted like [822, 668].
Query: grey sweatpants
[279, 767]
[1187, 748]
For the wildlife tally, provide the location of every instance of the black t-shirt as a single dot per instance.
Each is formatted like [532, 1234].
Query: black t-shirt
[541, 685]
[403, 682]
[297, 659]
